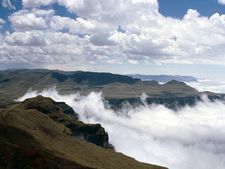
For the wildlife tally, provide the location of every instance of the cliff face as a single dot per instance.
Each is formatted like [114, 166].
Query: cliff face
[93, 133]
[62, 113]
[171, 102]
[35, 134]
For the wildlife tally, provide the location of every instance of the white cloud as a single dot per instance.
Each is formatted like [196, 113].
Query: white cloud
[2, 22]
[180, 139]
[209, 85]
[221, 2]
[30, 20]
[133, 61]
[107, 9]
[43, 49]
[147, 36]
[36, 3]
[78, 26]
[112, 11]
[8, 4]
[27, 39]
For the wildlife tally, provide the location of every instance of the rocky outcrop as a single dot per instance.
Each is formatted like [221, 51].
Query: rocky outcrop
[93, 133]
[58, 111]
[62, 113]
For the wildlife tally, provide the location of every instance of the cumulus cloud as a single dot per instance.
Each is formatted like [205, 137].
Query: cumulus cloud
[41, 48]
[105, 9]
[191, 137]
[30, 19]
[112, 11]
[146, 36]
[78, 26]
[221, 2]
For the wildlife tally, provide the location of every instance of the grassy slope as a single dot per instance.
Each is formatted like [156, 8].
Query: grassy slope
[43, 143]
[118, 90]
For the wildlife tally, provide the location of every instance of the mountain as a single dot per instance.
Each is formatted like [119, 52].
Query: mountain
[39, 133]
[164, 78]
[93, 78]
[115, 88]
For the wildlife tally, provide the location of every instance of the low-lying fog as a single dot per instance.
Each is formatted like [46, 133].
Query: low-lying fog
[190, 138]
[208, 85]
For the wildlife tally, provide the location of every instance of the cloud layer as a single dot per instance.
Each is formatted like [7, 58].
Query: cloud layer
[109, 32]
[192, 137]
[208, 85]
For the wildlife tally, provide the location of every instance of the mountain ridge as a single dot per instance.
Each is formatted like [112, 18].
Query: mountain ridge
[31, 138]
[115, 88]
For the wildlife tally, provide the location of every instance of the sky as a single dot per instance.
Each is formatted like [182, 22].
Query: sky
[185, 37]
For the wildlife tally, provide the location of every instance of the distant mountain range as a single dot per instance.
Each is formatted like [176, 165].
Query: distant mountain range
[164, 78]
[115, 88]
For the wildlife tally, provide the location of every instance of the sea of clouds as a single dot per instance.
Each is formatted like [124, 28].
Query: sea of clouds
[189, 138]
[208, 85]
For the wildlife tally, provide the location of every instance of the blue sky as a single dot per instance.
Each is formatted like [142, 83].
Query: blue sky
[185, 37]
[178, 8]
